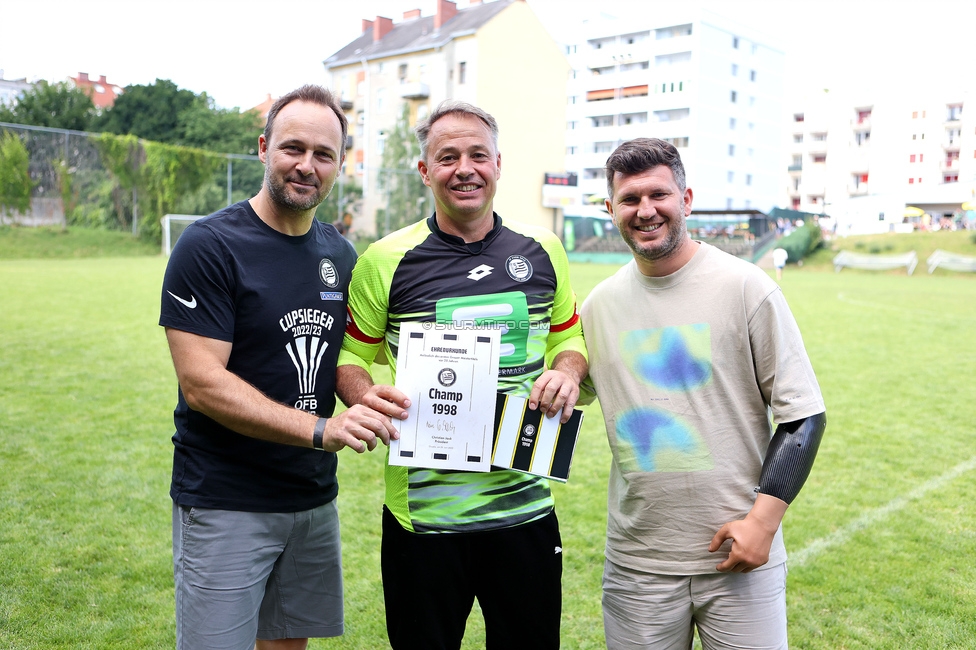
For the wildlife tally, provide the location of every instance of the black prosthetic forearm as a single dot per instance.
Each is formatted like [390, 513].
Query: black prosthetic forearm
[790, 457]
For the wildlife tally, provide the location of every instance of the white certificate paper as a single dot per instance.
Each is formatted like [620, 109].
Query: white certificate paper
[450, 375]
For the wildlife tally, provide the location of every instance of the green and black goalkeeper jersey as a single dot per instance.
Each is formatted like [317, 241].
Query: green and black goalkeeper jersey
[518, 276]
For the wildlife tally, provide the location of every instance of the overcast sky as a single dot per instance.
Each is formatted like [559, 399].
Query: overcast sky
[240, 50]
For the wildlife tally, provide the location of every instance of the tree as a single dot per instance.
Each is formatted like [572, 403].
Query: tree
[153, 112]
[15, 181]
[408, 199]
[59, 105]
[219, 129]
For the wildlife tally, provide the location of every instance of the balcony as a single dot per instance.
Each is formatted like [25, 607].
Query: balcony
[795, 168]
[952, 164]
[861, 123]
[859, 189]
[951, 143]
[415, 90]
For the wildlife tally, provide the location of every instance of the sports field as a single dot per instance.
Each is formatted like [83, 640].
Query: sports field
[882, 539]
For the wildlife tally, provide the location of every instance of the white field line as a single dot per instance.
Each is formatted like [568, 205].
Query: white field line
[842, 297]
[843, 534]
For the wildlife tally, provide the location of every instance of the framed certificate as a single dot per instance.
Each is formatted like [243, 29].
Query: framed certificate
[450, 375]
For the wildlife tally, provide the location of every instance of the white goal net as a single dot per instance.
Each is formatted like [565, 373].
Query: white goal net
[173, 227]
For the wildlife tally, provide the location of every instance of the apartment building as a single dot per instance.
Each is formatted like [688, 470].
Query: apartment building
[496, 55]
[878, 163]
[103, 94]
[12, 89]
[711, 87]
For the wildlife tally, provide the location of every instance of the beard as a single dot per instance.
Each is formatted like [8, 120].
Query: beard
[283, 197]
[664, 249]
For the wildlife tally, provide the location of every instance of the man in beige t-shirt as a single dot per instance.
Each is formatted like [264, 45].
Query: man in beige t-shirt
[691, 350]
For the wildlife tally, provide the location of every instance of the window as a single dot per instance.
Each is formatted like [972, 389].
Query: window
[819, 157]
[798, 117]
[798, 138]
[677, 142]
[730, 176]
[735, 42]
[748, 180]
[818, 137]
[951, 178]
[731, 122]
[911, 181]
[914, 135]
[672, 115]
[953, 112]
[752, 75]
[602, 147]
[380, 142]
[728, 204]
[672, 32]
[735, 69]
[863, 115]
[571, 151]
[731, 149]
[862, 138]
[402, 73]
[462, 72]
[797, 160]
[571, 125]
[914, 117]
[911, 158]
[380, 100]
[921, 156]
[733, 96]
[602, 120]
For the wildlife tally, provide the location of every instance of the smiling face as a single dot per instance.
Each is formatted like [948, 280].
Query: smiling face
[461, 169]
[649, 209]
[302, 158]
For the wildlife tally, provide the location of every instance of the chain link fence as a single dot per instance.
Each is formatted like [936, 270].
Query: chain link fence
[71, 185]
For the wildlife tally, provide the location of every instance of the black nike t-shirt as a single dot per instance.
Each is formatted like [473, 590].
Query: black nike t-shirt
[281, 302]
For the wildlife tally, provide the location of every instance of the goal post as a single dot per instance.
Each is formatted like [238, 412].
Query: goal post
[173, 227]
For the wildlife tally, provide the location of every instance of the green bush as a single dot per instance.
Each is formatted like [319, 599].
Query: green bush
[802, 241]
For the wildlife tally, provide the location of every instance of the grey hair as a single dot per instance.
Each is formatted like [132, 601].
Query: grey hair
[452, 107]
[641, 154]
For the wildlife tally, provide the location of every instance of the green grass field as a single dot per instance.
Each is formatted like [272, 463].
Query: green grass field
[882, 539]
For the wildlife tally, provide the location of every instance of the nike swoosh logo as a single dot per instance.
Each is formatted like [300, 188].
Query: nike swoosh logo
[191, 303]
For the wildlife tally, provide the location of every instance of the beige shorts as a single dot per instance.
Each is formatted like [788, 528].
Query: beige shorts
[730, 610]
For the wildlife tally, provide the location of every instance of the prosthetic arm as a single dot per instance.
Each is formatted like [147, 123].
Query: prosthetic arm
[790, 457]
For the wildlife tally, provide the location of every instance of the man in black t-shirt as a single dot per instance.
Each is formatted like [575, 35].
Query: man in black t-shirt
[254, 306]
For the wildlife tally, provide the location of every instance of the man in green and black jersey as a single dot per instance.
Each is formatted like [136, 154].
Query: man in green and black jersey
[451, 536]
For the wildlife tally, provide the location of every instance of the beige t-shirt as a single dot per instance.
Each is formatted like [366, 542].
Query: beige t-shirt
[685, 367]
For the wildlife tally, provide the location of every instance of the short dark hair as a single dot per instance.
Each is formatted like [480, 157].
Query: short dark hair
[641, 154]
[314, 95]
[452, 107]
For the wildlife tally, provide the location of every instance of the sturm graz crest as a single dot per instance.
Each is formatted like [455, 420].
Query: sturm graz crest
[447, 377]
[519, 268]
[328, 273]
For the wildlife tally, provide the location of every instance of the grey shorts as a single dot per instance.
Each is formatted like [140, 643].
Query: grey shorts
[730, 610]
[244, 575]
